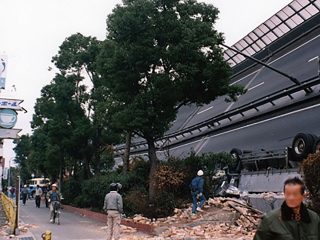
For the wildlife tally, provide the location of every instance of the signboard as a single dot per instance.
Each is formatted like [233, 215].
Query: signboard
[11, 104]
[9, 133]
[3, 71]
[8, 118]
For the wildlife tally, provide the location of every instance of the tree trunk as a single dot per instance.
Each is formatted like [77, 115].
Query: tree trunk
[153, 170]
[126, 156]
[97, 151]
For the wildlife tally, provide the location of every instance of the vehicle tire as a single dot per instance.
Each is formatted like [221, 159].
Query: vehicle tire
[236, 153]
[316, 146]
[302, 145]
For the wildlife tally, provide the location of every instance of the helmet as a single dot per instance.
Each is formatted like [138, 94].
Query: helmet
[200, 173]
[54, 185]
[113, 187]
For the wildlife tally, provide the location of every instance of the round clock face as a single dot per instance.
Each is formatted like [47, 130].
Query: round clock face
[8, 118]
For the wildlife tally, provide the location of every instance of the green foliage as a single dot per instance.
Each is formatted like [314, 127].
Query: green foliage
[310, 167]
[158, 56]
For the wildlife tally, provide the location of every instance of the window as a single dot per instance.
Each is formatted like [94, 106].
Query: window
[276, 26]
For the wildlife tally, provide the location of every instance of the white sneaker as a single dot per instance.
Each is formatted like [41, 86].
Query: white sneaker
[51, 220]
[199, 209]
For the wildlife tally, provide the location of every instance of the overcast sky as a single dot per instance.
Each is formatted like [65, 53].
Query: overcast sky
[32, 30]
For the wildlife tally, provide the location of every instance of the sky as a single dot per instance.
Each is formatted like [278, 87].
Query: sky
[32, 30]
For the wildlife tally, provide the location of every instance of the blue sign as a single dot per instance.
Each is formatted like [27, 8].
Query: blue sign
[8, 118]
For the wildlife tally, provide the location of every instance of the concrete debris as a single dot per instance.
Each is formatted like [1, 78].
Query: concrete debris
[223, 218]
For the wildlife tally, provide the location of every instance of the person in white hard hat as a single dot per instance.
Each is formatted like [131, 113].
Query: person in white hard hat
[196, 187]
[53, 196]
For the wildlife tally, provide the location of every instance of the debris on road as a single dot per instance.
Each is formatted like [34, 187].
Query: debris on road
[223, 218]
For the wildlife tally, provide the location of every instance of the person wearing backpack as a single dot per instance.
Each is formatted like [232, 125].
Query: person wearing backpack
[197, 192]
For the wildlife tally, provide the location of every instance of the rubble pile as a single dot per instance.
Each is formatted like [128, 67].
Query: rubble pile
[223, 218]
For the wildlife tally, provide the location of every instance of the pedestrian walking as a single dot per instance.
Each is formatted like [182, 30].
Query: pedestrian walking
[113, 205]
[24, 194]
[196, 188]
[38, 195]
[293, 220]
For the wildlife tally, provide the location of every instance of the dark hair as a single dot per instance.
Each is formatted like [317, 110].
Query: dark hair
[295, 181]
[113, 187]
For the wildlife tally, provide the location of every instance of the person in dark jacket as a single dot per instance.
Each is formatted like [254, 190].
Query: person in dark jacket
[293, 221]
[24, 194]
[197, 192]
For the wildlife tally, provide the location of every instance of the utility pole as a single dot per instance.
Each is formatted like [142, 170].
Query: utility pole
[9, 173]
[16, 224]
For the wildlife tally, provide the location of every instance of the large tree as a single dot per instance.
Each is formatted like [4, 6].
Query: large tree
[158, 56]
[77, 57]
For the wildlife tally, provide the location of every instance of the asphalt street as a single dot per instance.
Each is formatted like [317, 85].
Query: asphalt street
[72, 227]
[263, 81]
[270, 134]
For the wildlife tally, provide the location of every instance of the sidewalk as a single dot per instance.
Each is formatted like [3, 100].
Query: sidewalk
[25, 234]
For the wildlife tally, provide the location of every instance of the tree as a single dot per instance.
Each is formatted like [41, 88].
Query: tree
[158, 56]
[22, 150]
[77, 57]
[310, 167]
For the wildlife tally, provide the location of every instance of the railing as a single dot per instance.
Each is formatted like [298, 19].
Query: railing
[211, 122]
[9, 208]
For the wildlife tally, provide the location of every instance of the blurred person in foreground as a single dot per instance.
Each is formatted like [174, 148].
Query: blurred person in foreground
[293, 220]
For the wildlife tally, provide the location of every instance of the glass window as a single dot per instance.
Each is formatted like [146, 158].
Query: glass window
[304, 13]
[238, 46]
[241, 57]
[275, 20]
[232, 63]
[261, 44]
[288, 10]
[283, 15]
[297, 19]
[312, 9]
[253, 36]
[271, 36]
[291, 23]
[255, 47]
[296, 6]
[317, 3]
[236, 59]
[270, 24]
[284, 28]
[243, 43]
[263, 28]
[250, 50]
[278, 32]
[248, 40]
[304, 2]
[266, 39]
[258, 32]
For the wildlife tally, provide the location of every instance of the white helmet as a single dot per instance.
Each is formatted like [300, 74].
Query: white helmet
[54, 185]
[200, 173]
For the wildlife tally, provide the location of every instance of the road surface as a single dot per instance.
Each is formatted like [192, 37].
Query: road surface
[73, 226]
[275, 133]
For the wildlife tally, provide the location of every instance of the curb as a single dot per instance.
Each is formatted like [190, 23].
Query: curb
[101, 217]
